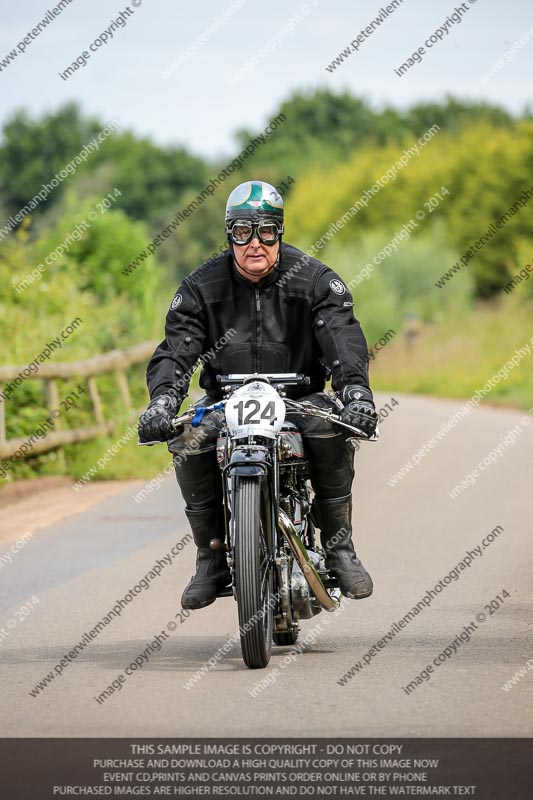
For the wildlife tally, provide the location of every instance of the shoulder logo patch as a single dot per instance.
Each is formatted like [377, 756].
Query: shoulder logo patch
[176, 303]
[337, 286]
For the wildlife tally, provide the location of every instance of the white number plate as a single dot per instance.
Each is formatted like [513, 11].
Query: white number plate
[255, 409]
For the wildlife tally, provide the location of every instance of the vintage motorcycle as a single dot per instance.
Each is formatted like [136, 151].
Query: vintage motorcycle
[278, 570]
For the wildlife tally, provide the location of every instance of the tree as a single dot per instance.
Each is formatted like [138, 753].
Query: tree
[151, 178]
[32, 152]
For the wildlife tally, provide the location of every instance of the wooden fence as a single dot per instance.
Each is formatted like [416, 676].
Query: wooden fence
[116, 362]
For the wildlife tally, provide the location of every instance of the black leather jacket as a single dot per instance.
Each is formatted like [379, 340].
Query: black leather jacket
[299, 318]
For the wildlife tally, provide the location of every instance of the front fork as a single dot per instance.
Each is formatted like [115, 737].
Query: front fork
[256, 461]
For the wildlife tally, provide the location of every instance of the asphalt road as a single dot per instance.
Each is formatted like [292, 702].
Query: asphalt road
[410, 536]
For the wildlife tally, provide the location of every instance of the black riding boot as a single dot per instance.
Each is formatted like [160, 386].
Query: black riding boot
[334, 518]
[212, 571]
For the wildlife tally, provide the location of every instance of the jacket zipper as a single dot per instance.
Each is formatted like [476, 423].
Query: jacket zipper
[257, 329]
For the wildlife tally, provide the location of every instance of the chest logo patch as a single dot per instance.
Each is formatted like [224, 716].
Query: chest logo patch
[176, 303]
[337, 286]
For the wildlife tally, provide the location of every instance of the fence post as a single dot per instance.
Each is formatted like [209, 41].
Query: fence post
[52, 403]
[95, 400]
[2, 415]
[52, 399]
[124, 388]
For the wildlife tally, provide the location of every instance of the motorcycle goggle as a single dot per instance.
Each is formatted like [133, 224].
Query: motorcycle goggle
[243, 231]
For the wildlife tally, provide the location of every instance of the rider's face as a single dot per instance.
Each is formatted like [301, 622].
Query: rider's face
[255, 259]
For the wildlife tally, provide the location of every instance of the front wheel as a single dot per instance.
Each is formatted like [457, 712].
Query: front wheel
[253, 569]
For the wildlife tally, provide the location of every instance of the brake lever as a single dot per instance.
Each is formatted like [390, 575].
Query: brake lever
[195, 415]
[330, 416]
[198, 417]
[192, 415]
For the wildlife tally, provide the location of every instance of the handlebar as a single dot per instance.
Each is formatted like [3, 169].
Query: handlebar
[195, 414]
[275, 379]
[305, 407]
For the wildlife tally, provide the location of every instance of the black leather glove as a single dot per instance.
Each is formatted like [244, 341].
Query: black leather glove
[154, 423]
[359, 409]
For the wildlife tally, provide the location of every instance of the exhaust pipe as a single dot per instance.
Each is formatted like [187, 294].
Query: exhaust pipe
[306, 565]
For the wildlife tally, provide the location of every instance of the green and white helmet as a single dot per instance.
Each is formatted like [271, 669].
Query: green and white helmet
[255, 201]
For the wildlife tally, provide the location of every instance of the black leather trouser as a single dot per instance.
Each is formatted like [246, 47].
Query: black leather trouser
[330, 455]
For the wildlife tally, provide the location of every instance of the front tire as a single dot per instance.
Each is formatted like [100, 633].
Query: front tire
[253, 570]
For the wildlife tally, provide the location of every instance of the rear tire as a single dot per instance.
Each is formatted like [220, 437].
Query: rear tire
[253, 570]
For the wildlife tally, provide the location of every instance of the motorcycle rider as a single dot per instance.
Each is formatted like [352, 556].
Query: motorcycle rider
[287, 312]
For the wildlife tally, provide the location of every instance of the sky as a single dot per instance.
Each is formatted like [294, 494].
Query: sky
[158, 78]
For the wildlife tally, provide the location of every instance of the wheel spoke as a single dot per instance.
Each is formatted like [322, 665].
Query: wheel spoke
[265, 575]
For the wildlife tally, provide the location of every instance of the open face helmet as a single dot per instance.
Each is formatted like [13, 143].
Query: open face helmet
[254, 208]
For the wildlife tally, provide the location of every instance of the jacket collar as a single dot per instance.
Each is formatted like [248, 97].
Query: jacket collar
[272, 276]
